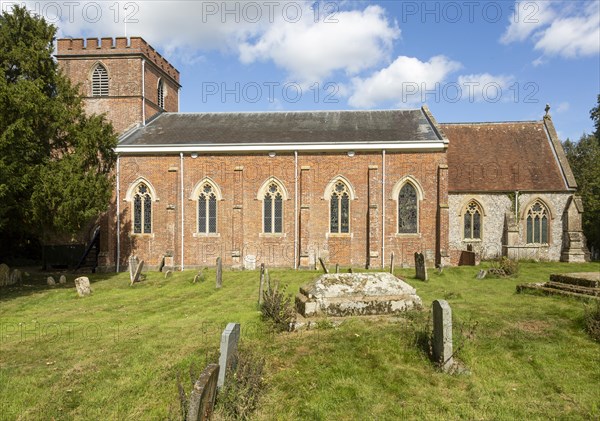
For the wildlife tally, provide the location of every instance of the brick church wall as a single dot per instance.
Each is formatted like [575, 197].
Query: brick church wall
[240, 219]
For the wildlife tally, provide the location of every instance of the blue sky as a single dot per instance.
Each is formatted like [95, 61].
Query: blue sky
[468, 60]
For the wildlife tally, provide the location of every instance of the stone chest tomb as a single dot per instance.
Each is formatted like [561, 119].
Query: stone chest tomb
[352, 294]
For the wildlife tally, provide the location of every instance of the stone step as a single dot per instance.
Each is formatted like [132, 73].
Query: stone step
[553, 291]
[584, 279]
[573, 288]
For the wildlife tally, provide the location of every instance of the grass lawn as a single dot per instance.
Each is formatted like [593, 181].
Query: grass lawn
[117, 353]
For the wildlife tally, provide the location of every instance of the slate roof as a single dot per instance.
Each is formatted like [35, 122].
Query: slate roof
[305, 127]
[506, 157]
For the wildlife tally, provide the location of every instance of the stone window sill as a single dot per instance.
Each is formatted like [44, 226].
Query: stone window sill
[206, 235]
[138, 235]
[340, 235]
[411, 235]
[272, 235]
[472, 240]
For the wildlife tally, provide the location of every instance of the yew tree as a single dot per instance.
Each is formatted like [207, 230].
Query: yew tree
[55, 161]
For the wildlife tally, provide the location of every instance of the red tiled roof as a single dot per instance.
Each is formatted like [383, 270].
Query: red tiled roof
[501, 157]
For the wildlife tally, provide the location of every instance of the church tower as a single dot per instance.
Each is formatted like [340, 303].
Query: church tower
[125, 78]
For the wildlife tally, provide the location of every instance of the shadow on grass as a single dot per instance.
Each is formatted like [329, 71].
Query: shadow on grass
[37, 283]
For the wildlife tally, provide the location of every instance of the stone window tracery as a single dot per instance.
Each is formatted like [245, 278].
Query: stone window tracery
[142, 210]
[339, 212]
[273, 209]
[207, 210]
[537, 224]
[472, 221]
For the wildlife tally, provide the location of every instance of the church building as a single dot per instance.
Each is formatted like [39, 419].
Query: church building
[288, 188]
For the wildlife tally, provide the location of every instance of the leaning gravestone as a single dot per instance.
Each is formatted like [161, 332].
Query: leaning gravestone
[261, 284]
[325, 270]
[420, 268]
[138, 273]
[15, 277]
[83, 286]
[62, 280]
[50, 281]
[442, 334]
[482, 274]
[202, 398]
[133, 264]
[168, 274]
[229, 344]
[4, 274]
[199, 276]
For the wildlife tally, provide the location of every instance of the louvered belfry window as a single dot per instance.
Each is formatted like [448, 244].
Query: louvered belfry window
[100, 81]
[161, 94]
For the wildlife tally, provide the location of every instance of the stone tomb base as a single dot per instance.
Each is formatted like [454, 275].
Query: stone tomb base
[353, 294]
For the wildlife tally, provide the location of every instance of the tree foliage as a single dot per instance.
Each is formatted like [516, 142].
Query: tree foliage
[55, 162]
[584, 158]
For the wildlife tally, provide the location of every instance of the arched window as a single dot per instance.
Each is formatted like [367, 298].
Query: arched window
[339, 209]
[207, 210]
[408, 210]
[161, 94]
[99, 81]
[142, 210]
[273, 209]
[472, 221]
[537, 223]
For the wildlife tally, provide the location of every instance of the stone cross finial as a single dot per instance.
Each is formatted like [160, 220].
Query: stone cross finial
[547, 109]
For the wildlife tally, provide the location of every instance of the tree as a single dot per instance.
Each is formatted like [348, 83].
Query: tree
[55, 162]
[595, 116]
[584, 158]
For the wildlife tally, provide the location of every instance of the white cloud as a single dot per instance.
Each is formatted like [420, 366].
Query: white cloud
[403, 82]
[309, 46]
[565, 29]
[526, 18]
[485, 87]
[562, 107]
[311, 51]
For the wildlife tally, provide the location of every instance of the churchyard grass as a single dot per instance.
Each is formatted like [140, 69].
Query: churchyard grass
[116, 354]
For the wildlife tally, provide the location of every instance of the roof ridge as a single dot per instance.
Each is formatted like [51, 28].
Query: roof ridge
[291, 111]
[473, 123]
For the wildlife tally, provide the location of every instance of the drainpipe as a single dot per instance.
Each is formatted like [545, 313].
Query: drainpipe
[383, 212]
[182, 214]
[143, 92]
[118, 212]
[296, 210]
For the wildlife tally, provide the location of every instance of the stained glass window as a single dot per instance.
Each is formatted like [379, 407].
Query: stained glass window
[273, 209]
[472, 221]
[537, 224]
[142, 210]
[99, 81]
[207, 210]
[408, 210]
[339, 211]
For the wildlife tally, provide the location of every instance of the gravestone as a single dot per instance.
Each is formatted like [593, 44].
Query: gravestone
[62, 280]
[83, 286]
[219, 273]
[168, 274]
[442, 334]
[133, 264]
[337, 268]
[199, 276]
[392, 263]
[4, 274]
[50, 281]
[420, 268]
[350, 270]
[15, 277]
[261, 284]
[482, 273]
[137, 273]
[250, 262]
[202, 398]
[161, 265]
[323, 265]
[229, 345]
